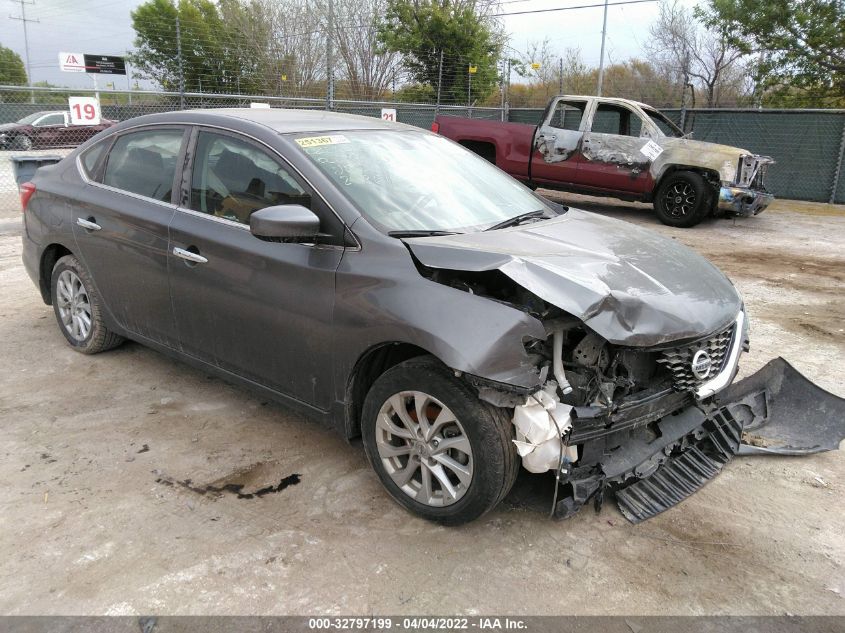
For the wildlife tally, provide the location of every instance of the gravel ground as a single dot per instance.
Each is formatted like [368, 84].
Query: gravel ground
[90, 524]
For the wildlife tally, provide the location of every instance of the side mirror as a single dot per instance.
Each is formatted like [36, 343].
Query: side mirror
[292, 221]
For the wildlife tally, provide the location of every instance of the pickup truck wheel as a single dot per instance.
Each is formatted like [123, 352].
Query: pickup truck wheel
[78, 308]
[683, 199]
[437, 449]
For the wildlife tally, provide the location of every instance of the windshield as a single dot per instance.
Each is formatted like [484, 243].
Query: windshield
[415, 181]
[664, 123]
[28, 120]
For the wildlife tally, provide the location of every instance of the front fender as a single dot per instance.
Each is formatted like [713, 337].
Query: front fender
[469, 333]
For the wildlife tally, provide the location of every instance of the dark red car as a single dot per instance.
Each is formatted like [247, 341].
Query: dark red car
[47, 129]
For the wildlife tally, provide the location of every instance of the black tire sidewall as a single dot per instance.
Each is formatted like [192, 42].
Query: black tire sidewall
[702, 194]
[69, 262]
[491, 448]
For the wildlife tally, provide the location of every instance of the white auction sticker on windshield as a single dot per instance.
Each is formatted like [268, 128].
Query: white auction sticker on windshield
[315, 141]
[651, 150]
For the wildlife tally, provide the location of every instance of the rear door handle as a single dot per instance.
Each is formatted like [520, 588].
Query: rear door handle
[88, 225]
[190, 256]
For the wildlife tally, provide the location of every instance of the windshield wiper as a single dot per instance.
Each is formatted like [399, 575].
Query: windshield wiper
[539, 213]
[420, 233]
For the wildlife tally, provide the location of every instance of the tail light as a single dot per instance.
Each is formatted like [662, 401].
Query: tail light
[435, 127]
[27, 190]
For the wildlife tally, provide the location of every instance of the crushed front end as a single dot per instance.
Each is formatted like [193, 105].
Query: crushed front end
[625, 385]
[747, 195]
[652, 426]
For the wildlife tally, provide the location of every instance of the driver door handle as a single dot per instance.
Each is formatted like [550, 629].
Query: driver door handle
[88, 225]
[188, 255]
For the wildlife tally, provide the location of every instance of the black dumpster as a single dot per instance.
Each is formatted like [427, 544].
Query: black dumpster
[24, 166]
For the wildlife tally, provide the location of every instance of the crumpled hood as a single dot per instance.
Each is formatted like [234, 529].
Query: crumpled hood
[630, 285]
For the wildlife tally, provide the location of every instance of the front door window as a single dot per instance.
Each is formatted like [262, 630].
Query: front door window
[233, 178]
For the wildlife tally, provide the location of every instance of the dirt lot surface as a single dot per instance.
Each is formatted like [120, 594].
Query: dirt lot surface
[94, 520]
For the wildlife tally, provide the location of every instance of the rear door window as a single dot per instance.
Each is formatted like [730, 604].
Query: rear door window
[144, 163]
[616, 119]
[91, 157]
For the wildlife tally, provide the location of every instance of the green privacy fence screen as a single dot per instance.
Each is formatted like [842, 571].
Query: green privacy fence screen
[806, 145]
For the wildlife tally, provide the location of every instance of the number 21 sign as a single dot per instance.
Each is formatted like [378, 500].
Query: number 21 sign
[84, 110]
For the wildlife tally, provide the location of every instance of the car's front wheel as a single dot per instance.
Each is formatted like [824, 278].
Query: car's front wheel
[438, 450]
[683, 199]
[78, 308]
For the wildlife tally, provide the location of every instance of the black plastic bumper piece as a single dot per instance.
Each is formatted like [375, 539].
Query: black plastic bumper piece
[685, 473]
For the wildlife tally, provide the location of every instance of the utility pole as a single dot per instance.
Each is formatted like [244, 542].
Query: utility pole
[469, 91]
[329, 59]
[129, 79]
[502, 89]
[601, 56]
[22, 17]
[181, 69]
[507, 91]
[560, 76]
[758, 83]
[439, 82]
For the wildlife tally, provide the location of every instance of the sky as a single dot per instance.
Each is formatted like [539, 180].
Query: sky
[104, 27]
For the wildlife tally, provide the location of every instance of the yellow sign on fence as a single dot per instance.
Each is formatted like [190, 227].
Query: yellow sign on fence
[473, 70]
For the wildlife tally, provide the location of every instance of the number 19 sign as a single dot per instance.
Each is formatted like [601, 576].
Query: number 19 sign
[84, 110]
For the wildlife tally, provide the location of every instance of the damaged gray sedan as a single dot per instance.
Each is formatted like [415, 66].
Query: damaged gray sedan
[390, 283]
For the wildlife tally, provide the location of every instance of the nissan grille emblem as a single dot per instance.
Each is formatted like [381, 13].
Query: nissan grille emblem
[701, 364]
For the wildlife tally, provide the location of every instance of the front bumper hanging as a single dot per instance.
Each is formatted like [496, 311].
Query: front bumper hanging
[653, 468]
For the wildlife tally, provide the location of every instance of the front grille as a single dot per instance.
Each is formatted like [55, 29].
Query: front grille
[679, 360]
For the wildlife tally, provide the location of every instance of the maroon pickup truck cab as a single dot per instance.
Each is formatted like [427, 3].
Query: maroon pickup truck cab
[624, 149]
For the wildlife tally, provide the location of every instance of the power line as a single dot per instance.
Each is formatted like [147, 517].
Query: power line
[582, 6]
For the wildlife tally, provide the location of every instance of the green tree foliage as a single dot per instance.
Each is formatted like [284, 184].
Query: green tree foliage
[12, 73]
[801, 42]
[216, 56]
[422, 30]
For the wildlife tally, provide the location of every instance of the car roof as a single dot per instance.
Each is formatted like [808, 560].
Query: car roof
[282, 120]
[608, 100]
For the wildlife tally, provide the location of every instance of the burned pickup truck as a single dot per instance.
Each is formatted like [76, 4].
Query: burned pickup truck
[624, 149]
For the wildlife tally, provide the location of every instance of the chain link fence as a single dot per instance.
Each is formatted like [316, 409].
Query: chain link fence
[807, 144]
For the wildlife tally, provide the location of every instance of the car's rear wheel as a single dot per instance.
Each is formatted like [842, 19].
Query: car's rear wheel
[438, 450]
[22, 142]
[78, 308]
[683, 199]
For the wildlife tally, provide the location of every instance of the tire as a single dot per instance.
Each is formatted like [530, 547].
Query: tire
[78, 308]
[479, 439]
[22, 142]
[683, 199]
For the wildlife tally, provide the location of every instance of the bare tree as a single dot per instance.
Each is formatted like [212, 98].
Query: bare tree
[367, 71]
[297, 45]
[694, 55]
[577, 77]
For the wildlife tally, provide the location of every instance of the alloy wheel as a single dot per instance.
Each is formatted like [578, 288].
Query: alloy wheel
[424, 448]
[74, 306]
[680, 200]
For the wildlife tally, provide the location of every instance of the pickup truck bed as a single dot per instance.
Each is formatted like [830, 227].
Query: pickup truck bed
[508, 145]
